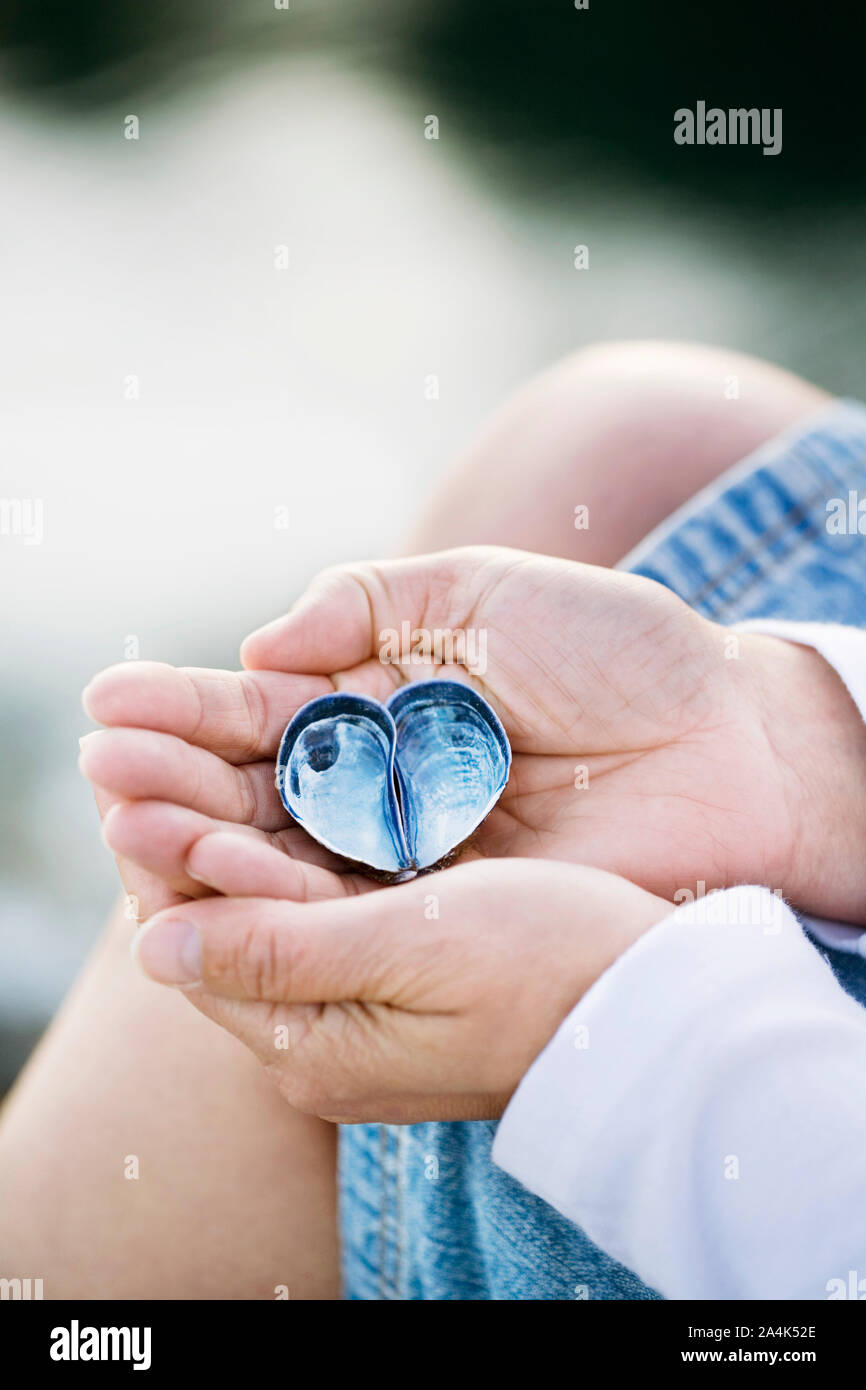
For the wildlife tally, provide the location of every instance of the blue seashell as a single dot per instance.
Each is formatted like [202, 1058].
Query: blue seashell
[399, 787]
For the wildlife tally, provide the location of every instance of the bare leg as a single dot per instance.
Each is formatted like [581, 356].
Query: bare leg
[629, 430]
[235, 1193]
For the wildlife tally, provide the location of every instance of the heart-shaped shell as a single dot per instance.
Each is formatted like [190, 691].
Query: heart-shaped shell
[396, 788]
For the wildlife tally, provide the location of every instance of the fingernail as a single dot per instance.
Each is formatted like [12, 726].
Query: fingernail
[169, 951]
[192, 859]
[94, 733]
[199, 878]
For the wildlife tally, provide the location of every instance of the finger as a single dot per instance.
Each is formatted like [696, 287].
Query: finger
[340, 621]
[139, 764]
[364, 948]
[159, 837]
[145, 892]
[241, 866]
[239, 715]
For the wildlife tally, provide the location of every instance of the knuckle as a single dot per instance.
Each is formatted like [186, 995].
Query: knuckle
[364, 579]
[262, 959]
[255, 716]
[247, 798]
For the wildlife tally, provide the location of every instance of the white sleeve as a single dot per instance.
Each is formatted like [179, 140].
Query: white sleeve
[701, 1113]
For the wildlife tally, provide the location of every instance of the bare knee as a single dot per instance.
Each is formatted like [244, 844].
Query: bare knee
[717, 402]
[627, 431]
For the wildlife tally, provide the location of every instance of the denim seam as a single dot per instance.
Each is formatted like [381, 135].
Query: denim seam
[801, 512]
[383, 1213]
[400, 1205]
[793, 517]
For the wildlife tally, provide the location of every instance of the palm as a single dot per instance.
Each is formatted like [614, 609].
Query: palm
[629, 750]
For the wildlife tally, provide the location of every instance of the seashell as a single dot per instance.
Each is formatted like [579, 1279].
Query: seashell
[396, 788]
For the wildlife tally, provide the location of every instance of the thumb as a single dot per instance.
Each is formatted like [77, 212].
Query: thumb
[284, 952]
[339, 622]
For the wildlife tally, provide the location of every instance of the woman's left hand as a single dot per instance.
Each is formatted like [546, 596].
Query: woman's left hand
[428, 1002]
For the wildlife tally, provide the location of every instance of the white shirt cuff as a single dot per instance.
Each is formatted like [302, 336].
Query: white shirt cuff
[701, 1113]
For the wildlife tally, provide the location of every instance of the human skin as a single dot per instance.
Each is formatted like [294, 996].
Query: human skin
[428, 1001]
[232, 1192]
[388, 1017]
[631, 430]
[618, 700]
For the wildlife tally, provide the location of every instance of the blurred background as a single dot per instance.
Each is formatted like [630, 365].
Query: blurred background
[234, 321]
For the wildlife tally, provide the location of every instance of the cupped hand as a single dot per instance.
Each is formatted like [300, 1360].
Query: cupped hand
[429, 1001]
[647, 740]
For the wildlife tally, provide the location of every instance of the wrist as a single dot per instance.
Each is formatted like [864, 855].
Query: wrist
[593, 919]
[818, 741]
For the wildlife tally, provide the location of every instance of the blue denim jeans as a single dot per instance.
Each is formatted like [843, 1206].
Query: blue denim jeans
[425, 1214]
